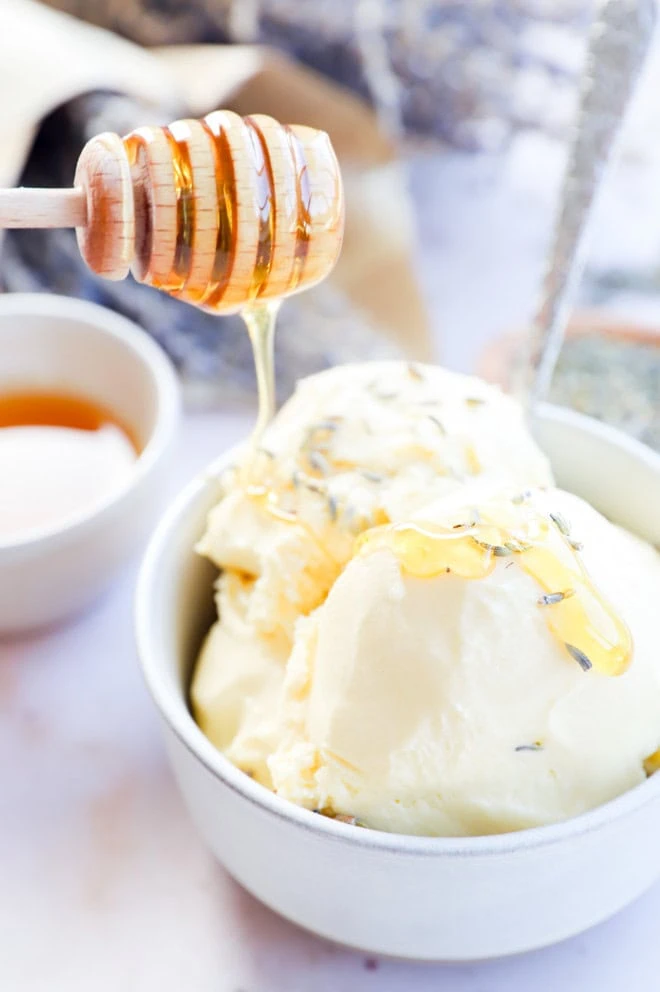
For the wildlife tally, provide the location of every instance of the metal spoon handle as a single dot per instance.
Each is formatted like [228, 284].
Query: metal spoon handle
[618, 44]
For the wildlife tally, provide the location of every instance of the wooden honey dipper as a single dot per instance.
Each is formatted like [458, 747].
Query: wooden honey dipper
[220, 212]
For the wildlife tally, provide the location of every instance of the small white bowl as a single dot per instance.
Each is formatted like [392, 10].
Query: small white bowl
[459, 899]
[54, 343]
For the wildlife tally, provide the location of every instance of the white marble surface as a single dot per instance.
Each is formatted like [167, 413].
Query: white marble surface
[104, 885]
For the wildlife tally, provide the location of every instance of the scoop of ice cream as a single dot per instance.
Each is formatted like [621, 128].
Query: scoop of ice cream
[354, 447]
[436, 690]
[238, 679]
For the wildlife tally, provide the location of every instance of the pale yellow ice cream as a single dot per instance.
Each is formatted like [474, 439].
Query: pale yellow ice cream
[355, 447]
[447, 706]
[238, 682]
[363, 675]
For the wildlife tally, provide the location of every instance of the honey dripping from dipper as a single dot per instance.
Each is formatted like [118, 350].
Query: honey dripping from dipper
[250, 212]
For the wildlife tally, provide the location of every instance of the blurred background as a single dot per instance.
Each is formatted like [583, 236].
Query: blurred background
[451, 121]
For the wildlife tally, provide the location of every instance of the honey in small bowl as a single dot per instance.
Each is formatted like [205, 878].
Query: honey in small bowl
[61, 456]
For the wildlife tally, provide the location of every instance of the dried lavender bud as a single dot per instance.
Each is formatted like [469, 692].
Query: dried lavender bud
[333, 507]
[438, 423]
[561, 523]
[550, 598]
[371, 476]
[318, 462]
[579, 656]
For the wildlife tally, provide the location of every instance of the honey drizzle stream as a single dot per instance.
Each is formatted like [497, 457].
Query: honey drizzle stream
[259, 318]
[260, 322]
[260, 313]
[576, 613]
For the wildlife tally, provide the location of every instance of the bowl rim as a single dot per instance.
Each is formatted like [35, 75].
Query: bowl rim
[141, 347]
[174, 710]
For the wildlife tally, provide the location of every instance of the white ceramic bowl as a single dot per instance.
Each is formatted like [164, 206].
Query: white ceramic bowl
[428, 898]
[51, 342]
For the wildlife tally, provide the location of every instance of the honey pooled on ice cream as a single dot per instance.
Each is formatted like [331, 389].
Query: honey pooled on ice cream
[441, 695]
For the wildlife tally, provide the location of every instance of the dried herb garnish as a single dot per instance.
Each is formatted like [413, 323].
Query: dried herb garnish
[550, 598]
[438, 423]
[516, 546]
[579, 656]
[333, 506]
[318, 462]
[561, 524]
[564, 528]
[499, 550]
[536, 746]
[299, 479]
